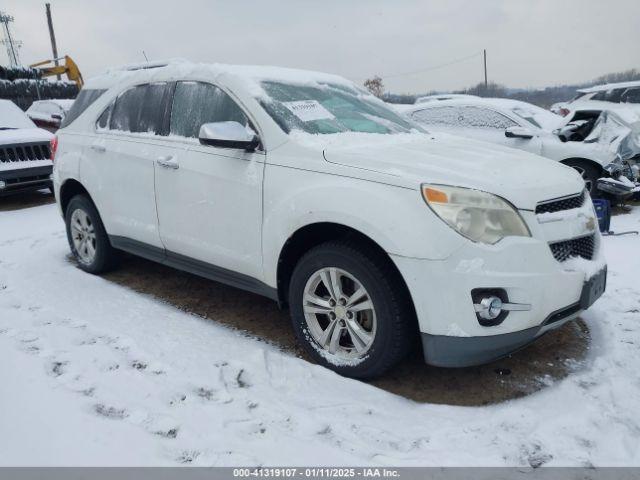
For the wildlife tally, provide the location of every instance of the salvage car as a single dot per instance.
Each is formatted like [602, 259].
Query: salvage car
[48, 114]
[26, 152]
[601, 97]
[518, 125]
[303, 187]
[616, 130]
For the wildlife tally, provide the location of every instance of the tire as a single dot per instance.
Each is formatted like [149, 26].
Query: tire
[590, 174]
[390, 324]
[104, 257]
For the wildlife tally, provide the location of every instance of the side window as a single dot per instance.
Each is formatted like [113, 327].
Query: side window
[614, 95]
[140, 109]
[632, 95]
[197, 103]
[103, 120]
[476, 117]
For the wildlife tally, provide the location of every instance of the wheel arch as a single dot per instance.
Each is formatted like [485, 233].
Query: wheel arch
[314, 234]
[587, 161]
[69, 189]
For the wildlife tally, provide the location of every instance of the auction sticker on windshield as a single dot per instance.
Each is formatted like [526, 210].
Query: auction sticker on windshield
[309, 110]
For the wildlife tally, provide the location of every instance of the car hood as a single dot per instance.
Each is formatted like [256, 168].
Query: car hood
[522, 178]
[24, 135]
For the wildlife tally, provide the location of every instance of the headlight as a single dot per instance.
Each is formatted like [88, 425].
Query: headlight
[479, 216]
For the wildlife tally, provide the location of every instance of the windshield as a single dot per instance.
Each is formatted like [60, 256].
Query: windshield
[11, 117]
[537, 117]
[330, 108]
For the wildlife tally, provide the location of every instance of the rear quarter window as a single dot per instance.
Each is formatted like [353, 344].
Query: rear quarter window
[85, 98]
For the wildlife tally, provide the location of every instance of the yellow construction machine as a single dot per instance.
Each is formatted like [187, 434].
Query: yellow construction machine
[48, 68]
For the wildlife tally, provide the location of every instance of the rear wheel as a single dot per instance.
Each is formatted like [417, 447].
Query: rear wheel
[87, 237]
[589, 173]
[349, 311]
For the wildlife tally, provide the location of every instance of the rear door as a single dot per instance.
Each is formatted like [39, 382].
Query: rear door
[129, 138]
[210, 200]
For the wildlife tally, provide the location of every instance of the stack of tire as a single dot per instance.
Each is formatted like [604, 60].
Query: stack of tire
[23, 86]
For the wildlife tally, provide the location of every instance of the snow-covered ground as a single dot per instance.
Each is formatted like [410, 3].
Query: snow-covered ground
[93, 373]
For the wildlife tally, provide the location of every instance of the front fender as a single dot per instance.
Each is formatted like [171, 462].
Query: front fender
[396, 218]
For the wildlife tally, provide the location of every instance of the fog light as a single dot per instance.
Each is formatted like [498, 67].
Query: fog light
[489, 308]
[2, 184]
[492, 306]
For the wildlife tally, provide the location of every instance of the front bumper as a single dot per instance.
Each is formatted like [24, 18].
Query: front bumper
[454, 352]
[25, 179]
[524, 268]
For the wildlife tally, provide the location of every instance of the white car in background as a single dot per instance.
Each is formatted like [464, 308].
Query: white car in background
[49, 114]
[302, 187]
[602, 97]
[26, 152]
[514, 124]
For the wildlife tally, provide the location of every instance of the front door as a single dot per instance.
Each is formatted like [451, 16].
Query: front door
[209, 199]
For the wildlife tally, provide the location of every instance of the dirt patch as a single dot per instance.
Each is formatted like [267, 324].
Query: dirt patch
[18, 201]
[551, 358]
[624, 208]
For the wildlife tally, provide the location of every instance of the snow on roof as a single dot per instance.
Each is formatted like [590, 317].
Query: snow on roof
[443, 96]
[473, 100]
[250, 75]
[609, 86]
[63, 103]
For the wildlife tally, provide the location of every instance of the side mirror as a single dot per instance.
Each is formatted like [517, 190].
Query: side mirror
[518, 132]
[229, 135]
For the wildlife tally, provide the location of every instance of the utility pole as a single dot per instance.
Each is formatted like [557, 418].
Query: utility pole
[8, 40]
[53, 38]
[486, 83]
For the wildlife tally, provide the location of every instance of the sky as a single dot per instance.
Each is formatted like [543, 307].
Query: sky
[415, 46]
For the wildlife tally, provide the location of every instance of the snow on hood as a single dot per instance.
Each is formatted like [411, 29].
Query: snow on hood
[522, 178]
[12, 117]
[24, 135]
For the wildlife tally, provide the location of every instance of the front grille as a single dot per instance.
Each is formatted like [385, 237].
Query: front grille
[566, 203]
[24, 152]
[578, 247]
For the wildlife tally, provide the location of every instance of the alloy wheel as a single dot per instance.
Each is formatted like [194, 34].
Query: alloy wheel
[83, 236]
[339, 313]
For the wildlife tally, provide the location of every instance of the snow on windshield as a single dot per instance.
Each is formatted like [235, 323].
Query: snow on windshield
[326, 108]
[12, 117]
[538, 117]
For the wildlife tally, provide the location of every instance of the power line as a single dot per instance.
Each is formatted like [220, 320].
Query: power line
[434, 67]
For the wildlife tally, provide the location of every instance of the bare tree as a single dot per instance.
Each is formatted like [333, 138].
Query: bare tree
[375, 86]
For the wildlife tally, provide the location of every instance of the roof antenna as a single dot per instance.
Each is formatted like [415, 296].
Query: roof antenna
[145, 56]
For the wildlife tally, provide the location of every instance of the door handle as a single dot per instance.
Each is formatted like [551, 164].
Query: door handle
[98, 147]
[168, 162]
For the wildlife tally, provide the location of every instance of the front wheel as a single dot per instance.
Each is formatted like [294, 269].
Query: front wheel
[349, 310]
[87, 237]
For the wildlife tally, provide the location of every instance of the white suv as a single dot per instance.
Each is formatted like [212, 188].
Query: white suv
[302, 187]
